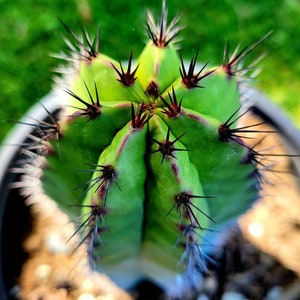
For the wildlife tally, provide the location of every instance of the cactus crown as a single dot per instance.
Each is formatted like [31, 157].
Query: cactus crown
[168, 163]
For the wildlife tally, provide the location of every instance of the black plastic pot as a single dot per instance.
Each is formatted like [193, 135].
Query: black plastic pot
[15, 217]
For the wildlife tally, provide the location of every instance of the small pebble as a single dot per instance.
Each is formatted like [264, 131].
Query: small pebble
[202, 297]
[275, 293]
[233, 296]
[87, 285]
[211, 284]
[56, 244]
[256, 229]
[42, 273]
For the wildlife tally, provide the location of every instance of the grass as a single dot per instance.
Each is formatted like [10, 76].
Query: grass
[30, 31]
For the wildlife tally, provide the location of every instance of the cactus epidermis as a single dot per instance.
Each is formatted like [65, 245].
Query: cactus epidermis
[150, 156]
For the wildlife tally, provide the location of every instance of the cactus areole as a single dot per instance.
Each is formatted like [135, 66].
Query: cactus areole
[148, 158]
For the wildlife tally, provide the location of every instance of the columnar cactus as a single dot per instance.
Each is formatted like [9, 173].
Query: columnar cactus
[148, 158]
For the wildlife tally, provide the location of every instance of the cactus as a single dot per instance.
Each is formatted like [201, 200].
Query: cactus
[148, 158]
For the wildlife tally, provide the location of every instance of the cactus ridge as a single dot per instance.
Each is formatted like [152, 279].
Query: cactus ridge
[160, 151]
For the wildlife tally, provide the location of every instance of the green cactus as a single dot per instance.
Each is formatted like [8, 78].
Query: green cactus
[149, 157]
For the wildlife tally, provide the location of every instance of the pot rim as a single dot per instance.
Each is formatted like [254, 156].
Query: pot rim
[19, 133]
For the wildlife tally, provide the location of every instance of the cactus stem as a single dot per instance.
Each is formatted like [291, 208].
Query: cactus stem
[184, 204]
[93, 109]
[87, 51]
[126, 78]
[189, 78]
[173, 109]
[125, 146]
[166, 148]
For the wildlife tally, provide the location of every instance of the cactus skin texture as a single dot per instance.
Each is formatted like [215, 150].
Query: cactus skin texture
[149, 160]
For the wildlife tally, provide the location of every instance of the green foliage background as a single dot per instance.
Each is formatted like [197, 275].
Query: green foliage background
[30, 32]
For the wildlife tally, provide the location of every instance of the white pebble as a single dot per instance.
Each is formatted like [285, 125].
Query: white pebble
[42, 272]
[86, 297]
[256, 229]
[56, 244]
[87, 285]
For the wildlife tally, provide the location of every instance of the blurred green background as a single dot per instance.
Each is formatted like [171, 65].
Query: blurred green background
[30, 32]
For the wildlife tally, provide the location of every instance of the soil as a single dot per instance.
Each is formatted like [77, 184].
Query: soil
[54, 270]
[260, 258]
